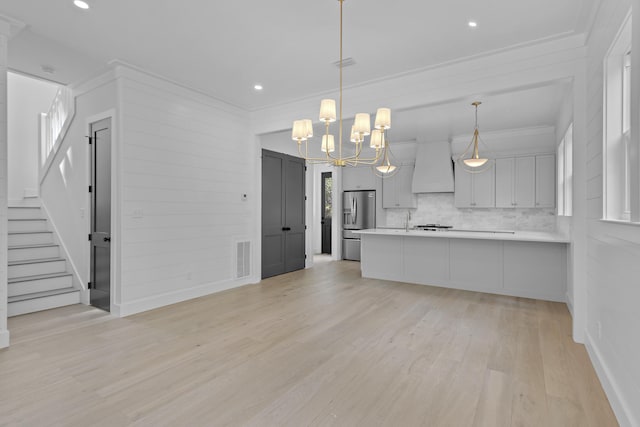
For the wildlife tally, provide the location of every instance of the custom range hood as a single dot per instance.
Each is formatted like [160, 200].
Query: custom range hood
[434, 168]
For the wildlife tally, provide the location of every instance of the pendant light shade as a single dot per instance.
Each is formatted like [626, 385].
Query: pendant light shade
[355, 137]
[385, 169]
[328, 145]
[475, 161]
[383, 118]
[328, 110]
[299, 132]
[377, 139]
[362, 124]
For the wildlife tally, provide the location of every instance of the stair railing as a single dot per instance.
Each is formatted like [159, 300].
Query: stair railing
[53, 128]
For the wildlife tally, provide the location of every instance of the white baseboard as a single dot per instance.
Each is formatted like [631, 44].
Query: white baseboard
[85, 296]
[157, 301]
[570, 304]
[4, 339]
[619, 404]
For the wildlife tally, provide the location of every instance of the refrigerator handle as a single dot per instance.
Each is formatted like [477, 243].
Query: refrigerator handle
[354, 209]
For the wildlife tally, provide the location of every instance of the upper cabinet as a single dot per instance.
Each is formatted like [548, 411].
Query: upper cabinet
[475, 189]
[359, 178]
[396, 190]
[516, 182]
[525, 182]
[545, 181]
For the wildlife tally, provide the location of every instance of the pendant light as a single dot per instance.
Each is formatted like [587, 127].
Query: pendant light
[474, 162]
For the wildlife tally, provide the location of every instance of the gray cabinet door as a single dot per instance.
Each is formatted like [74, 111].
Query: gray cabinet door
[283, 213]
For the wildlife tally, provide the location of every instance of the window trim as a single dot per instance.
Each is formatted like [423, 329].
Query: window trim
[617, 120]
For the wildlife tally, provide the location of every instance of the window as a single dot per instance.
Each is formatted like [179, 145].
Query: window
[617, 163]
[564, 159]
[560, 180]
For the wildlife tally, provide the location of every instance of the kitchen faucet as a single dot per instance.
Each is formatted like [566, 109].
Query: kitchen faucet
[406, 223]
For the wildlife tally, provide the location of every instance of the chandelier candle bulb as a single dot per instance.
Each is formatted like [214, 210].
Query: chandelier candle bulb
[383, 118]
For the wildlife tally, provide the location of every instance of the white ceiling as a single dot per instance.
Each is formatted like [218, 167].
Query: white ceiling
[224, 48]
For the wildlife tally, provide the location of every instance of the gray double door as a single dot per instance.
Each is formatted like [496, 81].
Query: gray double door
[100, 289]
[283, 213]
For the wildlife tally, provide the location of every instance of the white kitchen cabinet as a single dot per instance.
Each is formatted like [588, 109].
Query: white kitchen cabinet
[516, 182]
[528, 269]
[358, 178]
[545, 181]
[396, 190]
[475, 190]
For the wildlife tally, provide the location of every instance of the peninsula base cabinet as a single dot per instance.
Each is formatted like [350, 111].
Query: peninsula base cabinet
[517, 268]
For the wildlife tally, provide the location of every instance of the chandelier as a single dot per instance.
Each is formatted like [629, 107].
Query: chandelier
[337, 155]
[471, 160]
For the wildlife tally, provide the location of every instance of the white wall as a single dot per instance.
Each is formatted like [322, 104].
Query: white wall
[4, 39]
[185, 160]
[613, 270]
[64, 190]
[28, 97]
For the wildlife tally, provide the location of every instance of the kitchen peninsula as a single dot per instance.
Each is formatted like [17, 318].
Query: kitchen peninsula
[520, 263]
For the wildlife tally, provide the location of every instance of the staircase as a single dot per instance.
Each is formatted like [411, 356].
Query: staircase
[38, 276]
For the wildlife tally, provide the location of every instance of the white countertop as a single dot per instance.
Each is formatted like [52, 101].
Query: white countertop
[523, 236]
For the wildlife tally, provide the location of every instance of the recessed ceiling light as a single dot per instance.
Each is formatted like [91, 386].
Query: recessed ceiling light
[81, 4]
[473, 24]
[258, 87]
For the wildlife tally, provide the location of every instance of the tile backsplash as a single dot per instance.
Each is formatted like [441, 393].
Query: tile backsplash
[438, 208]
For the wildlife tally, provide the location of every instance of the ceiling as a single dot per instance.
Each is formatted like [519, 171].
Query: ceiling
[224, 48]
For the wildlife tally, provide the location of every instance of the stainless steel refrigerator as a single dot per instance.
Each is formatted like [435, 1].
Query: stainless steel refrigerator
[358, 213]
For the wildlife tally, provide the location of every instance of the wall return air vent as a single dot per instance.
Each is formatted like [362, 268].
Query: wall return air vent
[243, 259]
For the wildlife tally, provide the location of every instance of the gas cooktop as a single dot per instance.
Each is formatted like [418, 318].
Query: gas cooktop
[433, 227]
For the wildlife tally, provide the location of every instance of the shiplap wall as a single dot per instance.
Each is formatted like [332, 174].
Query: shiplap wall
[4, 39]
[63, 191]
[186, 159]
[613, 270]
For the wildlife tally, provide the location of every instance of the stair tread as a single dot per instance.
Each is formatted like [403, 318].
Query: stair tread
[26, 219]
[42, 294]
[35, 261]
[37, 277]
[37, 245]
[23, 207]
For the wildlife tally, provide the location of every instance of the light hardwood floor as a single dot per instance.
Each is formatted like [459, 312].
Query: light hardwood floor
[315, 347]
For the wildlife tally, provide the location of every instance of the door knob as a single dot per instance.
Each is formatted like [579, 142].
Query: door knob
[107, 239]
